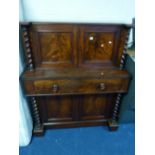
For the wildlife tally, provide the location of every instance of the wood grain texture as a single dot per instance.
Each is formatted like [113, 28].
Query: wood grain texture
[77, 76]
[95, 107]
[69, 109]
[98, 46]
[56, 47]
[45, 87]
[72, 45]
[56, 109]
[75, 73]
[69, 81]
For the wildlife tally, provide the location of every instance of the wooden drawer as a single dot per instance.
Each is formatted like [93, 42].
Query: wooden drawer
[54, 87]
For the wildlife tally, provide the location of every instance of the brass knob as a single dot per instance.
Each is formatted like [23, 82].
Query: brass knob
[55, 88]
[102, 86]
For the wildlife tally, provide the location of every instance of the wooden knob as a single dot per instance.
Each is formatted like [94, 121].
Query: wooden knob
[55, 88]
[102, 86]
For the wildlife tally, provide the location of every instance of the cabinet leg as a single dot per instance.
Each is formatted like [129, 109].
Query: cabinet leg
[38, 126]
[112, 125]
[38, 130]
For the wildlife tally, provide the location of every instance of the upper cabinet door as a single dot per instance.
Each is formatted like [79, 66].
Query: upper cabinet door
[101, 45]
[54, 45]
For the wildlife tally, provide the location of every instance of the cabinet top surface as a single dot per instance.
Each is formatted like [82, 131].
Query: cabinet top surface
[73, 23]
[75, 73]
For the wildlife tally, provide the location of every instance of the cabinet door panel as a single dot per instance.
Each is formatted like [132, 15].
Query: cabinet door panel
[55, 45]
[99, 45]
[94, 107]
[56, 108]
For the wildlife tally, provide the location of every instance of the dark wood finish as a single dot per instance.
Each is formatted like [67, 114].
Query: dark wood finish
[38, 127]
[69, 109]
[99, 45]
[96, 107]
[28, 46]
[54, 45]
[113, 125]
[65, 86]
[74, 73]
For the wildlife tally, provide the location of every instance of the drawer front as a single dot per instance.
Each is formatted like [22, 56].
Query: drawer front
[56, 87]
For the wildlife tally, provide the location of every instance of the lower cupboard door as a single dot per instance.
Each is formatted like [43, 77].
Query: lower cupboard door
[57, 109]
[96, 107]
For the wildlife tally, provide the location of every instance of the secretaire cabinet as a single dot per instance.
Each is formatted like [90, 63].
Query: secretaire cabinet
[74, 73]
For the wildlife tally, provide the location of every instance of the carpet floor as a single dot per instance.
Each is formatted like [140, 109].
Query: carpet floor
[83, 141]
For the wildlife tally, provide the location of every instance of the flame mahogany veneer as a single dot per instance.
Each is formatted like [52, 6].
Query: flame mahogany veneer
[74, 73]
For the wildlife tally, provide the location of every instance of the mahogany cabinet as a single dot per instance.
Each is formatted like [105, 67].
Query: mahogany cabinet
[74, 73]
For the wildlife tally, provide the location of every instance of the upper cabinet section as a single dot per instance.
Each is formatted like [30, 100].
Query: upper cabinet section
[50, 45]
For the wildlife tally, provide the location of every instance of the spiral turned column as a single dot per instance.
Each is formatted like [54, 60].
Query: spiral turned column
[116, 107]
[35, 109]
[38, 128]
[113, 125]
[124, 51]
[27, 46]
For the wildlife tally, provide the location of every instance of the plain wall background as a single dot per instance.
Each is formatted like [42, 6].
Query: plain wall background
[112, 11]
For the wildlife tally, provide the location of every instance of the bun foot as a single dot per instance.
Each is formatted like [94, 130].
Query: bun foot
[112, 125]
[38, 130]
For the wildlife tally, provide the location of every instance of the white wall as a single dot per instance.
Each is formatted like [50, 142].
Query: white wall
[25, 120]
[114, 11]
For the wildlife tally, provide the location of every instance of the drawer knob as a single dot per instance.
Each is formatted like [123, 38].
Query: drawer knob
[102, 86]
[55, 88]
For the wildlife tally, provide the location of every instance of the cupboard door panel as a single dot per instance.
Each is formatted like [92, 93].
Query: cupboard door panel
[56, 108]
[94, 107]
[99, 45]
[55, 45]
